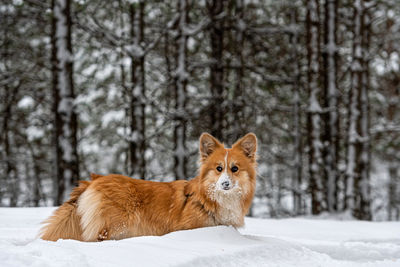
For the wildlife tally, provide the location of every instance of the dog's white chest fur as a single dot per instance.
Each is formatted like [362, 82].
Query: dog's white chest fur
[231, 215]
[230, 210]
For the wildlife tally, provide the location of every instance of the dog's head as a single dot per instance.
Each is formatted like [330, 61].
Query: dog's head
[228, 172]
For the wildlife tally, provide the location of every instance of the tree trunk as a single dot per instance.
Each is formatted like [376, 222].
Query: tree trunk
[10, 176]
[298, 150]
[137, 114]
[36, 179]
[393, 208]
[330, 137]
[365, 156]
[217, 104]
[314, 108]
[142, 147]
[65, 124]
[238, 101]
[11, 179]
[125, 88]
[393, 192]
[357, 172]
[180, 81]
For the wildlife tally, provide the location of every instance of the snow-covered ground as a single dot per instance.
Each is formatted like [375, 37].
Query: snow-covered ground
[263, 242]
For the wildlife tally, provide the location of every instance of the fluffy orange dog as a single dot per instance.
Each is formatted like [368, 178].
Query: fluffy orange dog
[117, 207]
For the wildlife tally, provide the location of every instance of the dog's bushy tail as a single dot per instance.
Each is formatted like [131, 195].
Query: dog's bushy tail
[64, 223]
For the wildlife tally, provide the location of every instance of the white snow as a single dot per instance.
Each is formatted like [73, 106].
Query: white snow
[26, 102]
[135, 50]
[112, 115]
[33, 132]
[263, 242]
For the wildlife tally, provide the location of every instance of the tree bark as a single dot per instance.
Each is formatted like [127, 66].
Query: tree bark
[357, 172]
[37, 193]
[137, 94]
[7, 138]
[330, 137]
[11, 179]
[65, 122]
[393, 192]
[237, 103]
[298, 148]
[393, 208]
[314, 108]
[365, 157]
[217, 104]
[180, 81]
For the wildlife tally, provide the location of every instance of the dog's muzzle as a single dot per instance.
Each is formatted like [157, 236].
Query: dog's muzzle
[224, 182]
[226, 185]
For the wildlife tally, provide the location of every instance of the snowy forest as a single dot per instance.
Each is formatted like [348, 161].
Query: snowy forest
[128, 86]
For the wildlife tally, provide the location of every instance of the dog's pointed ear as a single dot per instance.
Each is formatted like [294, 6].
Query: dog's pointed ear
[94, 176]
[208, 144]
[247, 144]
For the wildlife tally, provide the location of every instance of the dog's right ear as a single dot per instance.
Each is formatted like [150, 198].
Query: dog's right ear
[94, 176]
[208, 144]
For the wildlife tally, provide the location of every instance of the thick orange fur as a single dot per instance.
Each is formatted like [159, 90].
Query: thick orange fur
[65, 222]
[116, 207]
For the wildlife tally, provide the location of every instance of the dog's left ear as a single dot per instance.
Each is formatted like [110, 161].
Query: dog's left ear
[248, 144]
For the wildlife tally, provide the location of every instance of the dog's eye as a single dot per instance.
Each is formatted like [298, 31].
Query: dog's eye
[234, 169]
[219, 168]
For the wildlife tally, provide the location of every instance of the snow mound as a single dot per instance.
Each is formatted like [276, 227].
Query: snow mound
[264, 242]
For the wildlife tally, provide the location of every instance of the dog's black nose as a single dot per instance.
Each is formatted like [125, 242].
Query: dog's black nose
[226, 185]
